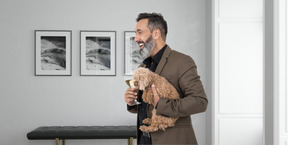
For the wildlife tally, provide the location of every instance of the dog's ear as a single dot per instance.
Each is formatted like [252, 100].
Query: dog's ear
[144, 81]
[141, 85]
[142, 76]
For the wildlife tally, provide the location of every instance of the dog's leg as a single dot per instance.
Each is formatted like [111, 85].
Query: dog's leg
[147, 121]
[153, 125]
[163, 126]
[159, 122]
[152, 128]
[167, 122]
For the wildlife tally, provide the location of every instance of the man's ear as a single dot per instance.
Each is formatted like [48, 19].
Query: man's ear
[156, 34]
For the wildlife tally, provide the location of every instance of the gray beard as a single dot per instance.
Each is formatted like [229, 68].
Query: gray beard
[148, 47]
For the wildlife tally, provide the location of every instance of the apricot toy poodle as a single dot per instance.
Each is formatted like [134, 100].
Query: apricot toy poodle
[144, 78]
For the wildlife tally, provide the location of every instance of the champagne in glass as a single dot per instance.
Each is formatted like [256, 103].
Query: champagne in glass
[131, 84]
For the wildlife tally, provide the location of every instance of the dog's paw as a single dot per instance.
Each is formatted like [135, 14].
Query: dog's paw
[148, 128]
[144, 128]
[147, 121]
[163, 126]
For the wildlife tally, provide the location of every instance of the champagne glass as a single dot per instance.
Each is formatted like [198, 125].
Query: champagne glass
[130, 83]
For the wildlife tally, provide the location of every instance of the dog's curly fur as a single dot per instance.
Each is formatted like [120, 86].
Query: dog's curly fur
[145, 78]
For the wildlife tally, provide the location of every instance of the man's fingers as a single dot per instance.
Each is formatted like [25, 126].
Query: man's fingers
[130, 95]
[156, 97]
[154, 89]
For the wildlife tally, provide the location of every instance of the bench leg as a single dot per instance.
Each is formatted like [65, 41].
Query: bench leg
[130, 141]
[57, 141]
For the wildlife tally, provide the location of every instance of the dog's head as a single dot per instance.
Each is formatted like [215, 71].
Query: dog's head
[142, 77]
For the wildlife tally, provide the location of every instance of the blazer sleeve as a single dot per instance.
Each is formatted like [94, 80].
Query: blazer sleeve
[194, 97]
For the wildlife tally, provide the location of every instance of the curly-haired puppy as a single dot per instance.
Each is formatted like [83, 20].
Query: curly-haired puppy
[145, 78]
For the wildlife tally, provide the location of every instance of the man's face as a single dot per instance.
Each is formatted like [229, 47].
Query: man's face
[144, 38]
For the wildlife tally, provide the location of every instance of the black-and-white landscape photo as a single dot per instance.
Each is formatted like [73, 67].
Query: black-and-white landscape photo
[53, 52]
[98, 55]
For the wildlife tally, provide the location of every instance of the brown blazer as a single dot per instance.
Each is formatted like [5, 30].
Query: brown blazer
[181, 71]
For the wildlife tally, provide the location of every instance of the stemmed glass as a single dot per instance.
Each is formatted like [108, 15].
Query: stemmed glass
[130, 83]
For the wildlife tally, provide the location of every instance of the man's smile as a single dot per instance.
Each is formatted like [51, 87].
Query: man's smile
[141, 44]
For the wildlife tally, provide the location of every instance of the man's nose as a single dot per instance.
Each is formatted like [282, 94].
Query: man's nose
[136, 39]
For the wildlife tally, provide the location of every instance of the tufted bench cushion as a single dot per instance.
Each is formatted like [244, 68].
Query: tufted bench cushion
[83, 132]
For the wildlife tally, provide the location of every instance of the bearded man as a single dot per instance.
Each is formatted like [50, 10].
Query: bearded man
[180, 70]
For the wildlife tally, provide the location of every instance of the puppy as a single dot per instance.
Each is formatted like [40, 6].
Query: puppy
[144, 79]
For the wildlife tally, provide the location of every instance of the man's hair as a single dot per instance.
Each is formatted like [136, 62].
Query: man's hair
[155, 21]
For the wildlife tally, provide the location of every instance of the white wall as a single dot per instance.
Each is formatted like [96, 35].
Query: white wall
[27, 101]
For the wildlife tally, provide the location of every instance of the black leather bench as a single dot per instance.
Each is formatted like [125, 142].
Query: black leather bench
[83, 132]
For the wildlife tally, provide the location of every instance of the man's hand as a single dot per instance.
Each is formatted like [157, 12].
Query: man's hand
[130, 95]
[155, 94]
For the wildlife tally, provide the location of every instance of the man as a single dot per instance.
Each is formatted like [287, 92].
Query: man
[180, 70]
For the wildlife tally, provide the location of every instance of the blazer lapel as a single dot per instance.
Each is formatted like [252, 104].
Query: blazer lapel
[163, 60]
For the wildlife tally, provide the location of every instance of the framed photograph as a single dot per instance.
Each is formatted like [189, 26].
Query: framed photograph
[53, 53]
[98, 53]
[132, 57]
